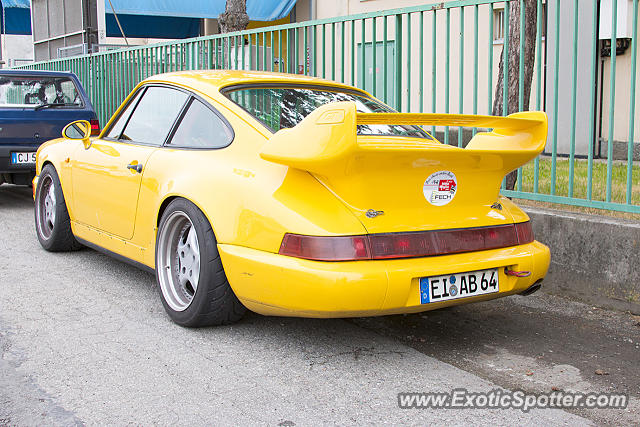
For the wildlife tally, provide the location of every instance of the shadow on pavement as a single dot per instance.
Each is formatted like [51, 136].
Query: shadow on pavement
[15, 196]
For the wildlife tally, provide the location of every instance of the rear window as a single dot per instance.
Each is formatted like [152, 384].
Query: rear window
[18, 91]
[285, 107]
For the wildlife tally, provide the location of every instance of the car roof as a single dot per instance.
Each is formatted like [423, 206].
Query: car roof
[211, 82]
[39, 73]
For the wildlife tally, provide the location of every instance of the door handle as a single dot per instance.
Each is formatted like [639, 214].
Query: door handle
[135, 167]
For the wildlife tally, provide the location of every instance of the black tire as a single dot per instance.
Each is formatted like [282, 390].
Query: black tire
[55, 236]
[213, 301]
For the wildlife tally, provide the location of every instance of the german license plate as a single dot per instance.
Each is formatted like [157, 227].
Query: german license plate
[23, 158]
[458, 285]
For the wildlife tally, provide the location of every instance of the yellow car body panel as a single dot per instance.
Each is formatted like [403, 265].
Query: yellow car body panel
[264, 185]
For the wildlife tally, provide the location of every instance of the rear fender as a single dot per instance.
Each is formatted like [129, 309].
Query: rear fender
[57, 152]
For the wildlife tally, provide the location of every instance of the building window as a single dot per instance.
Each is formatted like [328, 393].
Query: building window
[498, 25]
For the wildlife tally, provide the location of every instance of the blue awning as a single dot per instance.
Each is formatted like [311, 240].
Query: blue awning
[151, 18]
[15, 17]
[258, 10]
[179, 19]
[157, 27]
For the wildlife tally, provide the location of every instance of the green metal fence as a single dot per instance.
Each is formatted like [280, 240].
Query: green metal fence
[441, 57]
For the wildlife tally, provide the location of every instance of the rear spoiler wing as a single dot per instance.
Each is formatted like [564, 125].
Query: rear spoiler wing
[326, 141]
[514, 122]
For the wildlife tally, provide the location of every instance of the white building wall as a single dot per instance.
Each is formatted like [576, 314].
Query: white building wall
[16, 49]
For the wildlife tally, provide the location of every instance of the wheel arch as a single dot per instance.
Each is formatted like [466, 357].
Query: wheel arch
[48, 162]
[56, 153]
[163, 207]
[63, 183]
[170, 198]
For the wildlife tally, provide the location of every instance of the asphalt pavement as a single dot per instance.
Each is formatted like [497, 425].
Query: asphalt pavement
[84, 340]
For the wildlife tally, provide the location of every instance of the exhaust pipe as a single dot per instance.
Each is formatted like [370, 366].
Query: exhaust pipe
[531, 289]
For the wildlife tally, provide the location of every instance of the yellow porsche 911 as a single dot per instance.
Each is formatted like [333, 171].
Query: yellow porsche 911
[292, 196]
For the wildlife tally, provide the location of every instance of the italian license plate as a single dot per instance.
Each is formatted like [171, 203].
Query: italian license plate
[458, 285]
[23, 158]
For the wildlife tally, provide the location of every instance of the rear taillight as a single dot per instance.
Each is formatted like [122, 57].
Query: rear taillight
[524, 232]
[95, 127]
[405, 245]
[341, 248]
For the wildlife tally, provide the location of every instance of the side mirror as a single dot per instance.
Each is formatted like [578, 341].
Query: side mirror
[80, 130]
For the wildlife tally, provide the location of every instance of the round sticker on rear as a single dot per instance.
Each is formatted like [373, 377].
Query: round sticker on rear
[440, 188]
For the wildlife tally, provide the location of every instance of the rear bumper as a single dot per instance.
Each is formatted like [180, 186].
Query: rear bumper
[273, 284]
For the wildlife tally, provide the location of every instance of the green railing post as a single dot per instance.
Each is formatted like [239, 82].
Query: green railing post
[273, 49]
[314, 71]
[398, 63]
[632, 104]
[447, 59]
[592, 107]
[475, 62]
[434, 69]
[342, 50]
[281, 60]
[409, 56]
[324, 52]
[536, 162]
[461, 74]
[333, 49]
[264, 51]
[363, 57]
[612, 94]
[209, 55]
[354, 51]
[521, 74]
[374, 74]
[554, 148]
[385, 76]
[574, 84]
[421, 63]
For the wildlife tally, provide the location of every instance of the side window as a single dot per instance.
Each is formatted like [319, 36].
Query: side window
[30, 90]
[154, 115]
[201, 128]
[117, 127]
[69, 92]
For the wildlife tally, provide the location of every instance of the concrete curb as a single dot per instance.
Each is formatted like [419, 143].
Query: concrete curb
[595, 259]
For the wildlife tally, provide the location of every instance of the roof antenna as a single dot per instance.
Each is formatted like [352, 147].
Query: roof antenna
[118, 22]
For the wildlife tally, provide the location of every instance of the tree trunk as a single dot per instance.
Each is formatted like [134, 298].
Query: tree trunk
[513, 98]
[235, 16]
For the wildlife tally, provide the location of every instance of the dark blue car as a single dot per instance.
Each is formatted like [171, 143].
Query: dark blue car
[34, 107]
